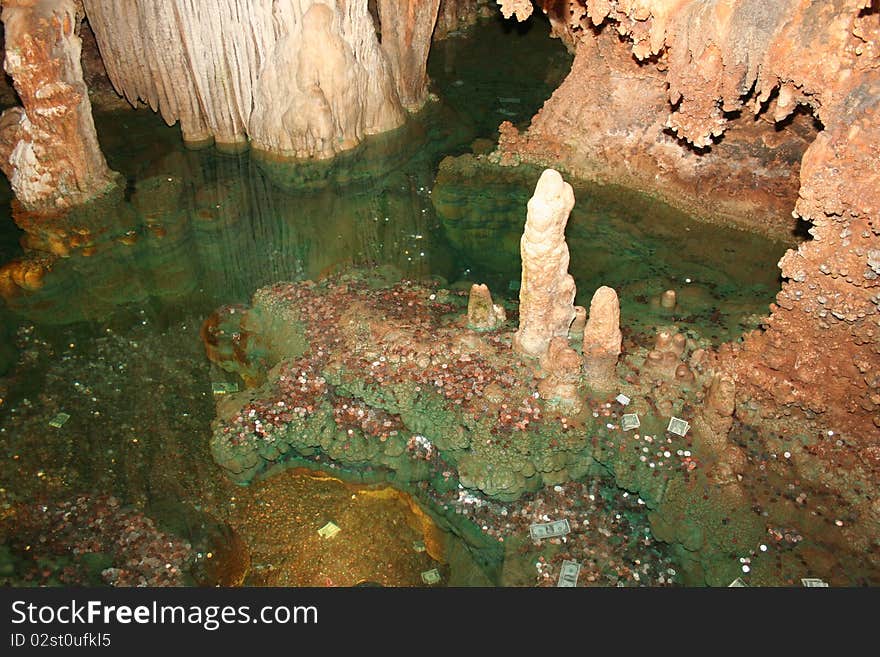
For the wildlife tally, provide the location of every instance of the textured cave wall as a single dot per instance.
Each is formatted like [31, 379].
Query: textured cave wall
[698, 72]
[296, 78]
[456, 15]
[48, 147]
[407, 26]
[608, 122]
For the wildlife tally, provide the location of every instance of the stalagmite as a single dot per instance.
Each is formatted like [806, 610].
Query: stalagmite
[547, 290]
[602, 339]
[576, 330]
[664, 360]
[671, 342]
[299, 79]
[715, 419]
[483, 315]
[668, 299]
[561, 366]
[48, 147]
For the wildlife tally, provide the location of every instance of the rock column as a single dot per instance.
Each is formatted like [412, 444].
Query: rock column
[49, 148]
[407, 26]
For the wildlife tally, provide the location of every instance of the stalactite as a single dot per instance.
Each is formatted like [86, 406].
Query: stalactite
[299, 79]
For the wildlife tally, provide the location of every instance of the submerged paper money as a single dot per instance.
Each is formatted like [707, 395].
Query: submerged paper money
[329, 530]
[431, 576]
[630, 421]
[223, 388]
[59, 420]
[549, 529]
[678, 426]
[568, 574]
[813, 582]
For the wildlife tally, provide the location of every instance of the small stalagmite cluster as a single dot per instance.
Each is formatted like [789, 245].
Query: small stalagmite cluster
[548, 316]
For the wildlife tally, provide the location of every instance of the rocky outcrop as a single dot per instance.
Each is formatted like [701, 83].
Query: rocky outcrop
[456, 15]
[707, 103]
[48, 147]
[561, 367]
[482, 314]
[547, 290]
[300, 79]
[407, 26]
[602, 339]
[607, 122]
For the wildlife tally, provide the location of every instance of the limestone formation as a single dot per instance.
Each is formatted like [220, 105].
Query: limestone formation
[683, 374]
[300, 79]
[667, 299]
[748, 70]
[561, 367]
[664, 360]
[715, 418]
[712, 425]
[576, 331]
[661, 364]
[602, 339]
[323, 92]
[547, 290]
[407, 26]
[483, 315]
[670, 342]
[455, 15]
[48, 147]
[522, 9]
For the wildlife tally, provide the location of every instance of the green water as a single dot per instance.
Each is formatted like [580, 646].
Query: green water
[112, 336]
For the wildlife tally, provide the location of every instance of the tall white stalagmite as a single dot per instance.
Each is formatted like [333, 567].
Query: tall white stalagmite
[546, 295]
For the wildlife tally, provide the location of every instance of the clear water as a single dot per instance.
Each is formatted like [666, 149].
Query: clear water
[112, 336]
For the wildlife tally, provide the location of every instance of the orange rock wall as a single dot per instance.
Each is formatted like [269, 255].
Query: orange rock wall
[709, 101]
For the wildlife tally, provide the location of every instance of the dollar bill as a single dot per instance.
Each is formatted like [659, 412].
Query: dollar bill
[419, 546]
[58, 421]
[568, 574]
[678, 426]
[738, 583]
[223, 388]
[329, 530]
[622, 399]
[630, 421]
[813, 582]
[431, 576]
[553, 529]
